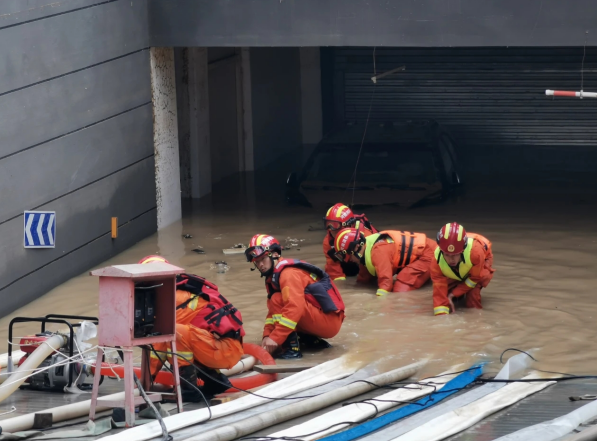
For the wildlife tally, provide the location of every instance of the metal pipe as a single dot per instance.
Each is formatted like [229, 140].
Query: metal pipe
[582, 94]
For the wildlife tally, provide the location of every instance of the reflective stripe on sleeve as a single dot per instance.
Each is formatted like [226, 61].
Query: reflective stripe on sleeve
[287, 322]
[470, 283]
[438, 310]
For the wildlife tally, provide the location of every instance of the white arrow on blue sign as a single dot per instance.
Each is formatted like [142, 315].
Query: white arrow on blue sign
[40, 229]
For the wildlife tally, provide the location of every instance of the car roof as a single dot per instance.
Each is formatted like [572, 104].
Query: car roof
[384, 132]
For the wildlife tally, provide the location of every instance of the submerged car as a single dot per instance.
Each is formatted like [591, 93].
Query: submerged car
[403, 163]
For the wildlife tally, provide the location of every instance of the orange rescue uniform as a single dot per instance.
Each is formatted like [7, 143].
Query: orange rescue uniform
[332, 266]
[407, 255]
[474, 272]
[289, 311]
[194, 343]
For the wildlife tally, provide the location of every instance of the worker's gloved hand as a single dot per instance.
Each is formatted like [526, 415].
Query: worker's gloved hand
[269, 345]
[451, 300]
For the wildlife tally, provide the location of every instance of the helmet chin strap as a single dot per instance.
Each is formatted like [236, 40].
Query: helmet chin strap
[270, 271]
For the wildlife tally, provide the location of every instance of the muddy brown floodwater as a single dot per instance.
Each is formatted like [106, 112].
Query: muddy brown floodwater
[542, 296]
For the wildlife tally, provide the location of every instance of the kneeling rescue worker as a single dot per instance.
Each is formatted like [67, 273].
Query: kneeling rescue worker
[461, 268]
[338, 217]
[209, 334]
[302, 301]
[400, 260]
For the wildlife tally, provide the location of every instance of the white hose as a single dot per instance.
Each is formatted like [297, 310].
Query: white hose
[316, 376]
[245, 364]
[464, 417]
[34, 360]
[16, 357]
[294, 410]
[62, 413]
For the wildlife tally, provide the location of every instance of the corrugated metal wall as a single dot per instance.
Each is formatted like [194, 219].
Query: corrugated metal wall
[76, 123]
[485, 96]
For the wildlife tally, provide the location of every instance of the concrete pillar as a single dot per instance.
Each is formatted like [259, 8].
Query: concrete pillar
[311, 96]
[165, 136]
[181, 63]
[199, 122]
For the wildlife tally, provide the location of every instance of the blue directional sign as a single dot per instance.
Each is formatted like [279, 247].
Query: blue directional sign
[40, 229]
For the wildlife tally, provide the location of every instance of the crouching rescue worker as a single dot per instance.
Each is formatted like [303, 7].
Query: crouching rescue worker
[461, 268]
[209, 334]
[303, 303]
[338, 217]
[400, 261]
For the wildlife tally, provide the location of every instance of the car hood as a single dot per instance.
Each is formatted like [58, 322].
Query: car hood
[405, 195]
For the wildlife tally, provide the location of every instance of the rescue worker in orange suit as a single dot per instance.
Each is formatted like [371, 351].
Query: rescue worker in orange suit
[303, 303]
[338, 217]
[400, 260]
[209, 334]
[461, 268]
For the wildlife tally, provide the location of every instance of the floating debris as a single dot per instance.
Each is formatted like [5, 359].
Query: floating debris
[187, 236]
[234, 250]
[220, 267]
[199, 250]
[238, 245]
[292, 242]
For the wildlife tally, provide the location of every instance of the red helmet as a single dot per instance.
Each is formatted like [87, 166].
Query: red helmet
[261, 244]
[339, 216]
[347, 241]
[452, 238]
[153, 258]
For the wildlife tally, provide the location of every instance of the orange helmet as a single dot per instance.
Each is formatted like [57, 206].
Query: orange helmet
[261, 244]
[153, 258]
[452, 238]
[347, 241]
[339, 216]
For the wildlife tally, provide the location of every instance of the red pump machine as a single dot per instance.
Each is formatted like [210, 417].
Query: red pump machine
[137, 306]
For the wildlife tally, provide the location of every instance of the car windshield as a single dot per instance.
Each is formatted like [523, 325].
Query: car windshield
[400, 163]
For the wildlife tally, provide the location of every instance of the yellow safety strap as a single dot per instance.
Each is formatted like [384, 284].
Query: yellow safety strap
[369, 242]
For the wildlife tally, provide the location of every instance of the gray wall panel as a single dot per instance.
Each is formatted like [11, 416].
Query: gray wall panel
[76, 123]
[80, 217]
[55, 108]
[40, 281]
[70, 42]
[371, 23]
[276, 101]
[74, 161]
[14, 12]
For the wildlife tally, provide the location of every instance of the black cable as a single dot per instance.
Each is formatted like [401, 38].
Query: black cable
[430, 399]
[517, 350]
[534, 380]
[155, 351]
[553, 372]
[165, 435]
[389, 386]
[344, 423]
[198, 369]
